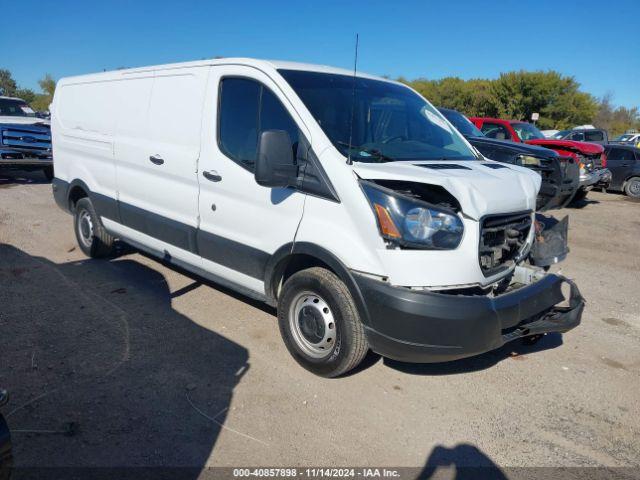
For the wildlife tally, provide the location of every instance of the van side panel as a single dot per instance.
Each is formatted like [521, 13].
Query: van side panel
[83, 126]
[157, 153]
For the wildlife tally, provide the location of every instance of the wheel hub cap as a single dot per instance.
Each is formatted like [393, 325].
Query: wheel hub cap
[312, 324]
[86, 227]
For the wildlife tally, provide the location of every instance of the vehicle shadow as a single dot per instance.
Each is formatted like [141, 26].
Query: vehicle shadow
[515, 351]
[9, 178]
[466, 460]
[580, 204]
[93, 353]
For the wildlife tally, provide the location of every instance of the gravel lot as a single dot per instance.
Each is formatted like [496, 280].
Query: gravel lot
[154, 367]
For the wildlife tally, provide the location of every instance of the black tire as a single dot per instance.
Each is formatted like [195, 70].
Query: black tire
[349, 346]
[93, 239]
[632, 187]
[48, 172]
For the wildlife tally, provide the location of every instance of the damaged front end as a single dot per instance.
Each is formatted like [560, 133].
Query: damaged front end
[438, 326]
[551, 244]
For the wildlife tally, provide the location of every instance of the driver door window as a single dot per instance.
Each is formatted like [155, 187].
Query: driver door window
[247, 108]
[578, 137]
[495, 130]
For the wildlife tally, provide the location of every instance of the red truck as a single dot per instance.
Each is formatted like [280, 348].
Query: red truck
[589, 155]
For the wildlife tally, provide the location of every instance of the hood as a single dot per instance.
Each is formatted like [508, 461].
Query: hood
[513, 147]
[585, 148]
[23, 120]
[482, 188]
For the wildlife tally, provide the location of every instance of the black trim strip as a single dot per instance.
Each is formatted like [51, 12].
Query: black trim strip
[170, 231]
[237, 256]
[231, 254]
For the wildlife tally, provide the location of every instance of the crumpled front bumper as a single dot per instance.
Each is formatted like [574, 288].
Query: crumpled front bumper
[424, 326]
[599, 177]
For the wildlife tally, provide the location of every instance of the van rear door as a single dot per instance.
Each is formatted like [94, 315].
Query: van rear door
[242, 223]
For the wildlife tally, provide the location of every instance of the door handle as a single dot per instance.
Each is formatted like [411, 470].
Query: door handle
[212, 175]
[156, 159]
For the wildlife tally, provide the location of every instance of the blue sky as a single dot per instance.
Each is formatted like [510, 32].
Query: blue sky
[596, 42]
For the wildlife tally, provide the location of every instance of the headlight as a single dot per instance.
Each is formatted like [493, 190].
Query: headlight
[412, 223]
[529, 161]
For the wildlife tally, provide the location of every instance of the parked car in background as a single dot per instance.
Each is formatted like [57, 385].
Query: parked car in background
[593, 135]
[6, 459]
[549, 133]
[585, 153]
[560, 175]
[632, 139]
[28, 136]
[624, 163]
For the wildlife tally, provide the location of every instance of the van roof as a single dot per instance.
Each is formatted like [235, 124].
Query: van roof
[252, 62]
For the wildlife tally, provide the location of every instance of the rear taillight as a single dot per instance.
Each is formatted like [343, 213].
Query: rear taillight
[603, 159]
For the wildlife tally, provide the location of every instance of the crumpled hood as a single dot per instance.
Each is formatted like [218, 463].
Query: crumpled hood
[23, 120]
[586, 148]
[480, 189]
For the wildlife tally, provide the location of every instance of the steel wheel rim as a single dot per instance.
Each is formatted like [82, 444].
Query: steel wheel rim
[85, 228]
[312, 325]
[634, 188]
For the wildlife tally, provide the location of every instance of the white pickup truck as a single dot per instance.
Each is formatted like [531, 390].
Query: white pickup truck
[25, 139]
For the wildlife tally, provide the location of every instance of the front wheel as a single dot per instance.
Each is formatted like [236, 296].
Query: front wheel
[632, 187]
[93, 239]
[319, 323]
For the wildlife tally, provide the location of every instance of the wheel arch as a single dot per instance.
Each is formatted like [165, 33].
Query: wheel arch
[77, 190]
[294, 257]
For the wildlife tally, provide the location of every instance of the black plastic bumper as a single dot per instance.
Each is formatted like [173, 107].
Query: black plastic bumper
[26, 162]
[422, 326]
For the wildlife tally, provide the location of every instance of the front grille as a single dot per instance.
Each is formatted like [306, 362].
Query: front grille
[545, 169]
[502, 238]
[25, 139]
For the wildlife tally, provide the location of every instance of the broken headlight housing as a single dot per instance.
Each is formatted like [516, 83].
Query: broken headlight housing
[413, 223]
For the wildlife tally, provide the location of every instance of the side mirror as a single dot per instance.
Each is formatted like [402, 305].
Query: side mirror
[275, 163]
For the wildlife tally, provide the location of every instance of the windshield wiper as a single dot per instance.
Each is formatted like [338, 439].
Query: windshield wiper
[371, 151]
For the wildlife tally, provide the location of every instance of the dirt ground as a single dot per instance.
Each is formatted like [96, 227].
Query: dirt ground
[145, 365]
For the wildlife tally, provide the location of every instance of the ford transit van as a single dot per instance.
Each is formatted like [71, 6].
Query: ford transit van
[348, 202]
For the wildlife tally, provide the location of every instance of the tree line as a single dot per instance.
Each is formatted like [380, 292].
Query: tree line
[39, 101]
[513, 95]
[516, 95]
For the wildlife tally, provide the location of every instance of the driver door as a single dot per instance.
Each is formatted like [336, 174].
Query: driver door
[242, 223]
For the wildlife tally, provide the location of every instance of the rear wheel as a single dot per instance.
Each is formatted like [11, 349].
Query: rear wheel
[93, 239]
[319, 323]
[632, 187]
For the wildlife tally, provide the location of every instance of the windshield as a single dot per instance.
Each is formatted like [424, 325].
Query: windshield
[625, 137]
[12, 107]
[381, 121]
[526, 131]
[462, 123]
[561, 134]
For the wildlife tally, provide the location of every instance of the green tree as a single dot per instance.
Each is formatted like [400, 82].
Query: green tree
[43, 100]
[616, 120]
[8, 85]
[514, 95]
[26, 94]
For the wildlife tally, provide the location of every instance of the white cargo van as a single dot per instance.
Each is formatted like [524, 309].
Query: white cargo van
[349, 202]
